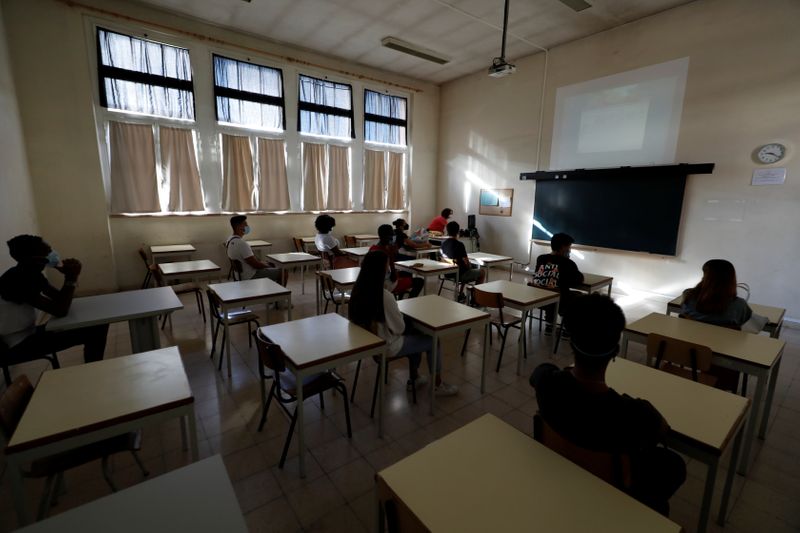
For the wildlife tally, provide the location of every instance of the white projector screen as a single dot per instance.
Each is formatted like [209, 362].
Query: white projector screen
[631, 118]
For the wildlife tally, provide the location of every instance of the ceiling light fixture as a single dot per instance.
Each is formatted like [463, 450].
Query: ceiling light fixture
[414, 50]
[500, 67]
[576, 5]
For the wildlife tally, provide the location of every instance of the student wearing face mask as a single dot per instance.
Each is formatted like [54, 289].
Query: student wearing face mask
[404, 243]
[239, 250]
[556, 271]
[24, 289]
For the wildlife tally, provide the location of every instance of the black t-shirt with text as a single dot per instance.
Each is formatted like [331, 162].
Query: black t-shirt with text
[556, 272]
[455, 250]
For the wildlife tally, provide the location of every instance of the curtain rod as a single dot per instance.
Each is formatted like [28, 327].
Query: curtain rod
[214, 40]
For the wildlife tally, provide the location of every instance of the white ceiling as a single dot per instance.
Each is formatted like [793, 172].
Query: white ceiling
[352, 29]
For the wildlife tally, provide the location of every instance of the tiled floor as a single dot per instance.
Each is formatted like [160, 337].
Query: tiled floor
[337, 494]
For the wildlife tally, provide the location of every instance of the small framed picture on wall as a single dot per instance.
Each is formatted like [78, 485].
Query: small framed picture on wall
[496, 202]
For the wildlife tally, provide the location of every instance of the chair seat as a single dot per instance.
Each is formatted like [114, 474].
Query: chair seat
[312, 385]
[69, 459]
[511, 316]
[703, 377]
[339, 298]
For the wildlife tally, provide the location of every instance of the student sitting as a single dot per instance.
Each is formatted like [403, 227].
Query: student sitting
[329, 245]
[454, 249]
[374, 308]
[577, 403]
[556, 271]
[24, 289]
[402, 282]
[439, 223]
[404, 243]
[239, 250]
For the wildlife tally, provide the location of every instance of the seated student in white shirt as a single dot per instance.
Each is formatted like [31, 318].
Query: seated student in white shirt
[239, 250]
[328, 244]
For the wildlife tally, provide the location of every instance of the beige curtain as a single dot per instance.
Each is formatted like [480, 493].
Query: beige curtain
[339, 178]
[237, 173]
[179, 167]
[273, 186]
[134, 186]
[313, 176]
[395, 197]
[374, 171]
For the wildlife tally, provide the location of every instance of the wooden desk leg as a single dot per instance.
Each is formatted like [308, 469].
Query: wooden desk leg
[521, 341]
[424, 285]
[486, 332]
[773, 377]
[17, 494]
[144, 334]
[434, 356]
[758, 406]
[726, 492]
[705, 507]
[301, 425]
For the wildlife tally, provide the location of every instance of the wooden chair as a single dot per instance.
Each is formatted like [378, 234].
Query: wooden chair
[8, 359]
[501, 317]
[685, 359]
[451, 278]
[182, 288]
[237, 316]
[12, 406]
[613, 468]
[284, 387]
[350, 241]
[332, 295]
[235, 271]
[377, 359]
[151, 268]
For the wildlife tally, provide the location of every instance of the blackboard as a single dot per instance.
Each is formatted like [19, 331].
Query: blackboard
[635, 212]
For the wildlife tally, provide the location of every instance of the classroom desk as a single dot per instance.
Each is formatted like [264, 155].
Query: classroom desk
[320, 343]
[81, 404]
[423, 252]
[236, 294]
[438, 317]
[140, 308]
[703, 420]
[755, 355]
[258, 246]
[488, 261]
[293, 259]
[523, 298]
[426, 268]
[343, 279]
[161, 252]
[595, 282]
[197, 498]
[356, 253]
[488, 476]
[774, 315]
[189, 269]
[362, 238]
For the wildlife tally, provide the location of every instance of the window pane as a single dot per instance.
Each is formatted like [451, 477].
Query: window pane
[324, 124]
[392, 130]
[384, 105]
[149, 99]
[138, 55]
[250, 78]
[379, 132]
[324, 92]
[315, 96]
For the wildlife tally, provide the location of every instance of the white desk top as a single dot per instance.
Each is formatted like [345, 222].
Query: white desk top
[197, 498]
[188, 267]
[591, 280]
[342, 276]
[317, 339]
[172, 249]
[360, 251]
[293, 257]
[517, 293]
[251, 289]
[308, 240]
[487, 259]
[774, 314]
[80, 399]
[116, 307]
[258, 244]
[438, 313]
[756, 349]
[426, 266]
[698, 413]
[488, 476]
[365, 237]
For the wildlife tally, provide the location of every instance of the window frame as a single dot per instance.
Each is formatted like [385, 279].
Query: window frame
[248, 96]
[324, 109]
[385, 120]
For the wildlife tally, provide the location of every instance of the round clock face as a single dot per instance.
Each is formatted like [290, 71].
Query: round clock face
[771, 153]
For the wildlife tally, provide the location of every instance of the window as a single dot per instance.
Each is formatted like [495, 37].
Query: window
[143, 76]
[325, 108]
[248, 94]
[385, 118]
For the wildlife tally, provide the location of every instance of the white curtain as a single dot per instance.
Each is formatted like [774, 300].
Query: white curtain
[273, 186]
[134, 187]
[339, 178]
[313, 176]
[374, 172]
[395, 196]
[237, 173]
[179, 167]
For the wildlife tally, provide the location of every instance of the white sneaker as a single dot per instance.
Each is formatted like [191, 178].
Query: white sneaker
[446, 389]
[420, 382]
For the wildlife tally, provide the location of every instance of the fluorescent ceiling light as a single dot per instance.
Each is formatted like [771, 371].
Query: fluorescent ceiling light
[576, 5]
[412, 49]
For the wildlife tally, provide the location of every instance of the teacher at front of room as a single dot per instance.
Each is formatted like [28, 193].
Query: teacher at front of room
[439, 223]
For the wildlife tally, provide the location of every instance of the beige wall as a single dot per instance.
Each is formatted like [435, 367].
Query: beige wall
[50, 58]
[743, 90]
[17, 212]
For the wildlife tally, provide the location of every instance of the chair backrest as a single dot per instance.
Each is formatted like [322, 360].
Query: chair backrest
[744, 288]
[269, 353]
[160, 282]
[686, 354]
[298, 244]
[328, 286]
[487, 299]
[350, 241]
[143, 255]
[236, 269]
[613, 468]
[213, 304]
[13, 403]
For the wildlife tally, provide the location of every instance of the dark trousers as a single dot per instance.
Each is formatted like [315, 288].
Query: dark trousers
[657, 474]
[41, 343]
[563, 304]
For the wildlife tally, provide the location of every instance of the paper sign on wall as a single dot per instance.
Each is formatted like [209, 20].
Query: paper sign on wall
[769, 176]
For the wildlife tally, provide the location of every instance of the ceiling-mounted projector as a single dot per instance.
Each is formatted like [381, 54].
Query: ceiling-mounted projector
[500, 68]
